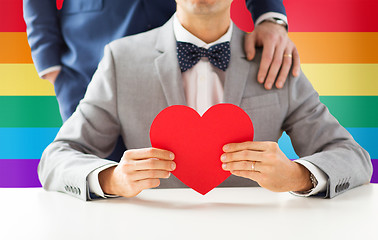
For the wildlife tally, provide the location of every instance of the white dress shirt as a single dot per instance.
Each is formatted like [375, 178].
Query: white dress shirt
[203, 83]
[269, 15]
[203, 86]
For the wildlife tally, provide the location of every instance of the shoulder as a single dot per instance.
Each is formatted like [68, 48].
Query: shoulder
[144, 38]
[135, 45]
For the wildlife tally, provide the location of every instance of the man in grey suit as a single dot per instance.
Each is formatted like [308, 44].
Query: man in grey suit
[137, 79]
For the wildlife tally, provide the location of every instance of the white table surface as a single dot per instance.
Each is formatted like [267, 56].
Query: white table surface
[224, 213]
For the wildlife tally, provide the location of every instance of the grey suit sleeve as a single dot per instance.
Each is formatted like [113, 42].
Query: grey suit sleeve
[317, 137]
[86, 138]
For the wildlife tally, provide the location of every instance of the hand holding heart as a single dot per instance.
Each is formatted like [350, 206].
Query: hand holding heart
[138, 169]
[272, 169]
[197, 142]
[141, 169]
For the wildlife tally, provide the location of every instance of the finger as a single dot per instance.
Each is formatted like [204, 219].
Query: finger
[144, 153]
[243, 166]
[285, 68]
[146, 174]
[274, 67]
[147, 183]
[249, 45]
[296, 62]
[154, 164]
[255, 176]
[266, 60]
[255, 145]
[243, 155]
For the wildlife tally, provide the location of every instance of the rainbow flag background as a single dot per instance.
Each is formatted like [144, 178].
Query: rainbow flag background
[337, 41]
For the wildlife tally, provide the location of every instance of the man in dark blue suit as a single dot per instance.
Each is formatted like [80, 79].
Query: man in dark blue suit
[68, 44]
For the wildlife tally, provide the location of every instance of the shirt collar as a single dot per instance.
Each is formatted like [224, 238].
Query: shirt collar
[183, 35]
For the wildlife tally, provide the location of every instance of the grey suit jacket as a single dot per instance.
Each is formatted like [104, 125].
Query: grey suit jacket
[139, 76]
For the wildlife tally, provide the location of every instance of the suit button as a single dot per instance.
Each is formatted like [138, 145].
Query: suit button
[337, 188]
[74, 190]
[66, 188]
[71, 189]
[347, 185]
[78, 191]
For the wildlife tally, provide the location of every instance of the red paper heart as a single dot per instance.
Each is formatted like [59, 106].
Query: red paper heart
[197, 141]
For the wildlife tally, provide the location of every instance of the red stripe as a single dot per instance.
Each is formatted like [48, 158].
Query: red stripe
[320, 15]
[11, 18]
[59, 4]
[241, 16]
[303, 15]
[11, 15]
[332, 15]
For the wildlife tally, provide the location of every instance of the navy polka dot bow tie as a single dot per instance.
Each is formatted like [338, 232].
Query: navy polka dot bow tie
[189, 54]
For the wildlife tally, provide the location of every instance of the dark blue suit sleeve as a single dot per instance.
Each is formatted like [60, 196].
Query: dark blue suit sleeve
[44, 36]
[259, 7]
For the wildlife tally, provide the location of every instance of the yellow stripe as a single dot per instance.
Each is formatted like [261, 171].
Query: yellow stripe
[23, 80]
[328, 79]
[343, 79]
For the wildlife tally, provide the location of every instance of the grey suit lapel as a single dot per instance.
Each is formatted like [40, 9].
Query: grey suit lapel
[167, 66]
[238, 70]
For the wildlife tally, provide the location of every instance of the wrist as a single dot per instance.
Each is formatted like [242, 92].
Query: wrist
[51, 76]
[303, 182]
[105, 178]
[276, 21]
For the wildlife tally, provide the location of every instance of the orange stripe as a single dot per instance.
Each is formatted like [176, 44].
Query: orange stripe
[14, 48]
[335, 47]
[313, 47]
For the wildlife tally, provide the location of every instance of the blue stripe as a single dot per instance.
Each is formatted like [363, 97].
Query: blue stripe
[25, 143]
[286, 147]
[366, 137]
[29, 143]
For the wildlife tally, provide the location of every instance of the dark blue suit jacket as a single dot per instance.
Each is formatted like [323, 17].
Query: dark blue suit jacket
[74, 37]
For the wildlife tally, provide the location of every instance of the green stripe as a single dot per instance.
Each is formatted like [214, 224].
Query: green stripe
[353, 111]
[29, 111]
[43, 111]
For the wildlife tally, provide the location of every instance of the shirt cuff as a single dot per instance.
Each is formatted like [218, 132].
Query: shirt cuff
[94, 184]
[320, 176]
[269, 15]
[49, 70]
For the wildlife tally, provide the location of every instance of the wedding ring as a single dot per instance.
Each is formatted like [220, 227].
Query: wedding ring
[253, 165]
[288, 55]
